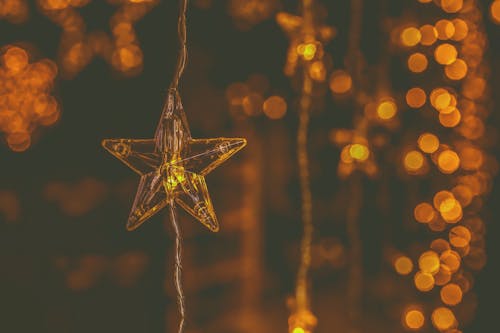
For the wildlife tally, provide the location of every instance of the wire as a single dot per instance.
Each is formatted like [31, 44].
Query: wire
[182, 35]
[301, 292]
[178, 266]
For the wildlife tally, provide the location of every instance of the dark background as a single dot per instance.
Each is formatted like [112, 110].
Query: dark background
[40, 249]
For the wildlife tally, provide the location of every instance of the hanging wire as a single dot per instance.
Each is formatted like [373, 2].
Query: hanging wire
[301, 290]
[179, 70]
[178, 266]
[182, 35]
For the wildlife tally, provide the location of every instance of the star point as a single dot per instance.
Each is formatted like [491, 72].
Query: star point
[173, 166]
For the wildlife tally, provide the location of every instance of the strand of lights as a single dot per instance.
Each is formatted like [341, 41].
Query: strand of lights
[462, 162]
[77, 48]
[26, 102]
[305, 60]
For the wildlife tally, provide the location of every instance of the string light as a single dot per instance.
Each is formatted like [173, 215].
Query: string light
[77, 47]
[305, 60]
[461, 113]
[26, 102]
[173, 166]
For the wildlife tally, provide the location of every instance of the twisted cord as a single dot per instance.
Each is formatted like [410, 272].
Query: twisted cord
[182, 35]
[178, 267]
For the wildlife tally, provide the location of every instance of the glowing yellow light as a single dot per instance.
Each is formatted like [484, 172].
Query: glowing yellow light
[410, 36]
[442, 101]
[15, 59]
[450, 119]
[443, 318]
[275, 107]
[451, 294]
[461, 29]
[386, 110]
[460, 236]
[445, 54]
[495, 11]
[403, 265]
[448, 161]
[424, 281]
[440, 197]
[413, 161]
[428, 143]
[456, 70]
[429, 262]
[449, 207]
[417, 62]
[414, 319]
[359, 152]
[429, 34]
[340, 82]
[308, 51]
[415, 97]
[424, 213]
[451, 259]
[317, 71]
[452, 6]
[445, 29]
[298, 330]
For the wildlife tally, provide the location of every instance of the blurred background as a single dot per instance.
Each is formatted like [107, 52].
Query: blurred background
[76, 71]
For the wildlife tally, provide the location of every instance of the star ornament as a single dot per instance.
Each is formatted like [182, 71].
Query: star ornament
[173, 166]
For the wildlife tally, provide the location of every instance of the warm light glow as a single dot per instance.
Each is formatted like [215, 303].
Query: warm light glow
[428, 143]
[403, 265]
[415, 97]
[457, 70]
[340, 82]
[424, 213]
[451, 294]
[495, 11]
[275, 107]
[448, 161]
[445, 29]
[445, 54]
[471, 158]
[443, 318]
[413, 161]
[429, 262]
[424, 281]
[452, 6]
[461, 29]
[417, 62]
[307, 51]
[359, 152]
[410, 36]
[317, 71]
[429, 34]
[15, 59]
[414, 319]
[440, 98]
[460, 236]
[386, 110]
[451, 259]
[298, 330]
[450, 119]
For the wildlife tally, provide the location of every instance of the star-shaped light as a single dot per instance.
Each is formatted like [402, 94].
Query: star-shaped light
[173, 166]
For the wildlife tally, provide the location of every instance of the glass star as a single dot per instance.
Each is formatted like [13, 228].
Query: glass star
[173, 166]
